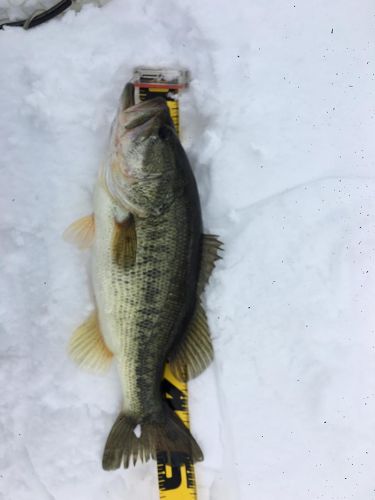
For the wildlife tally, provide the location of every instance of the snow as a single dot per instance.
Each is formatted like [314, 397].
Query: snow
[278, 123]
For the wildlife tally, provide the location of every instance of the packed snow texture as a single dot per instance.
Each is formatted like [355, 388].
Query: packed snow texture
[278, 123]
[22, 10]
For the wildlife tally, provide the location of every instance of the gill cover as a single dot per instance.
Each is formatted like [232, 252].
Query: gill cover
[142, 171]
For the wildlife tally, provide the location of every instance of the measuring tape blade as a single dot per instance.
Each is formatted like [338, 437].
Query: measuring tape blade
[175, 482]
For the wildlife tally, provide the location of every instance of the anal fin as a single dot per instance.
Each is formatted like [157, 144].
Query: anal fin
[195, 352]
[87, 347]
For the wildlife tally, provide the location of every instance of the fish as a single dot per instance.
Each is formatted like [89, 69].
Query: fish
[150, 264]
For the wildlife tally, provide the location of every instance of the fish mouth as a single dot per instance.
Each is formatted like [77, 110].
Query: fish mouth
[145, 116]
[127, 100]
[143, 121]
[145, 129]
[146, 121]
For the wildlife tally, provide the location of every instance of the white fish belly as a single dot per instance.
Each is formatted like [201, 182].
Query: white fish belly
[111, 290]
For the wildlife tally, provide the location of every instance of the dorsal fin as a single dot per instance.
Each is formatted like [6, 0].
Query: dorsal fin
[211, 246]
[194, 353]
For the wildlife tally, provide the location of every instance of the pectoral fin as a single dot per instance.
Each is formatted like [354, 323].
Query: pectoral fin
[195, 352]
[87, 347]
[124, 243]
[81, 232]
[211, 246]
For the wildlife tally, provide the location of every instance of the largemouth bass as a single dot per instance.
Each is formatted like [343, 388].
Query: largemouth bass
[150, 262]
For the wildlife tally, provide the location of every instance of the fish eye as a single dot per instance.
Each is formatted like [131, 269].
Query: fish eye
[164, 132]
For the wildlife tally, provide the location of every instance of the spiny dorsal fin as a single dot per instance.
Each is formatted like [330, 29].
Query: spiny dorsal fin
[124, 243]
[87, 347]
[194, 353]
[211, 246]
[81, 232]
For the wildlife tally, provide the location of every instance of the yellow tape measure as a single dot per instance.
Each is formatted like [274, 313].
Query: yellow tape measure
[177, 482]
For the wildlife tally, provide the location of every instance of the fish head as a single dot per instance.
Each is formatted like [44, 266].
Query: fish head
[141, 171]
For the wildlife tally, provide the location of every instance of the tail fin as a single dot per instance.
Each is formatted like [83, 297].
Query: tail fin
[168, 435]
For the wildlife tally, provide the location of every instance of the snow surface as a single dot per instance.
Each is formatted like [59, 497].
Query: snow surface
[20, 10]
[279, 125]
